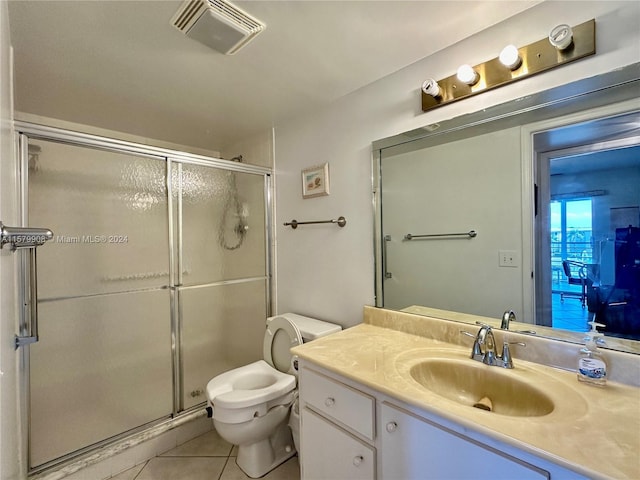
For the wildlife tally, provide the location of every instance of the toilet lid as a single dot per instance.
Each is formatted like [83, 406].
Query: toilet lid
[281, 335]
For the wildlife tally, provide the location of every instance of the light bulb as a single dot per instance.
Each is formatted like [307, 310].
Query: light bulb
[466, 74]
[510, 57]
[561, 37]
[431, 87]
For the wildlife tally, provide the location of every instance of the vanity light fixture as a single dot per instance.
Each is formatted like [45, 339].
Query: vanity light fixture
[466, 74]
[561, 37]
[564, 44]
[510, 57]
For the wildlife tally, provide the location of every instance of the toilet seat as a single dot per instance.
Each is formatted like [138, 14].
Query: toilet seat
[251, 391]
[280, 336]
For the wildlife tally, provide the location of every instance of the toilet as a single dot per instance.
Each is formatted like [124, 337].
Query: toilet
[252, 404]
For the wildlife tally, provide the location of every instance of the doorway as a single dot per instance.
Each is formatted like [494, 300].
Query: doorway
[587, 256]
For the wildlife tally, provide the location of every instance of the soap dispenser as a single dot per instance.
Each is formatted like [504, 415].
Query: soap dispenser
[592, 367]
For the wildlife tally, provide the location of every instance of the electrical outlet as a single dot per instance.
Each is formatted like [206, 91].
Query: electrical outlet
[508, 258]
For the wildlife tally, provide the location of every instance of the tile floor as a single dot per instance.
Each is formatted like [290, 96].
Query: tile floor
[570, 314]
[207, 457]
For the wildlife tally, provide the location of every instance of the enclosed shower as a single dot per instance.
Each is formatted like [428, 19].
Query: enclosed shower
[156, 280]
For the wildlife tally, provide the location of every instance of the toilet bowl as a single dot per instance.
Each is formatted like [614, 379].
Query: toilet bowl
[251, 404]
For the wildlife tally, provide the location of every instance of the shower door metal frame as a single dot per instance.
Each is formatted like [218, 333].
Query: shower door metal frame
[26, 131]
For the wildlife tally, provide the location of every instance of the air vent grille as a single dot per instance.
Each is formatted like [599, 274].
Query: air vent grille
[188, 14]
[235, 14]
[217, 24]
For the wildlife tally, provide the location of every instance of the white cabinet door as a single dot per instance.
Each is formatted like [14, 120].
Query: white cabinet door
[414, 448]
[330, 453]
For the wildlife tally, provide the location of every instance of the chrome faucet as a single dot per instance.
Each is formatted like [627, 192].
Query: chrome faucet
[484, 348]
[507, 317]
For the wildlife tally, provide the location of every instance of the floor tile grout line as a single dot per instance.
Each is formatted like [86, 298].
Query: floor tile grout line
[141, 470]
[224, 468]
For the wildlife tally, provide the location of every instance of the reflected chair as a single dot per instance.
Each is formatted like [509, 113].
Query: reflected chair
[577, 278]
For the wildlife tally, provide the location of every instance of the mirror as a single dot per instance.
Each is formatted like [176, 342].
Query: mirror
[464, 248]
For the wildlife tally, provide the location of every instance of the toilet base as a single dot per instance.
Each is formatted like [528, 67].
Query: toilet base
[263, 443]
[258, 459]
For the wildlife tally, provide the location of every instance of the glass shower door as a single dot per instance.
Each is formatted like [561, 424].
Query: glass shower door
[223, 282]
[103, 364]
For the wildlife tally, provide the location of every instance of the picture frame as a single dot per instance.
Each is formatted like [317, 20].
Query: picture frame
[315, 181]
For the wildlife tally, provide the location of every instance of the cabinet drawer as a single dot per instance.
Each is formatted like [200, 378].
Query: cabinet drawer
[347, 405]
[331, 453]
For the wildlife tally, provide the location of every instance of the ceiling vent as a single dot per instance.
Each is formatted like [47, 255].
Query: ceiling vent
[217, 24]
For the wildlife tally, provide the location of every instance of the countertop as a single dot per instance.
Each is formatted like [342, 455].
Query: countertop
[592, 430]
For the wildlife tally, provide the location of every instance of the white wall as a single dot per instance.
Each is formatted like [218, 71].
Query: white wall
[10, 466]
[328, 272]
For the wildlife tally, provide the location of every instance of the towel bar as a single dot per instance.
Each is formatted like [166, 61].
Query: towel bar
[341, 221]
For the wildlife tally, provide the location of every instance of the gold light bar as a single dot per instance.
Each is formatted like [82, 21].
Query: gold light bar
[536, 57]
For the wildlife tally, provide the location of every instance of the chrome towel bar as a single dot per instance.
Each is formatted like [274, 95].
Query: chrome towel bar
[470, 234]
[341, 221]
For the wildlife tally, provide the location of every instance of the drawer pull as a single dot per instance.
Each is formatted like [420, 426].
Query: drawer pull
[330, 401]
[357, 461]
[391, 427]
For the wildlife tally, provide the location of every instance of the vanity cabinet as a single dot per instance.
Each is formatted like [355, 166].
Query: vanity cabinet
[336, 430]
[351, 432]
[414, 448]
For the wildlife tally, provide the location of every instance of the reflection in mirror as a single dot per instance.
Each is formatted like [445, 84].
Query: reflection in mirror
[587, 227]
[545, 246]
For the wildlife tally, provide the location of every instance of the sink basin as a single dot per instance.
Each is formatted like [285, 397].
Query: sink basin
[468, 382]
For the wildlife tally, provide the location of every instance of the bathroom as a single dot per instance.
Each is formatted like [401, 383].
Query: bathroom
[324, 272]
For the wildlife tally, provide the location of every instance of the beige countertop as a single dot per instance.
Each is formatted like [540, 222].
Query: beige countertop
[594, 431]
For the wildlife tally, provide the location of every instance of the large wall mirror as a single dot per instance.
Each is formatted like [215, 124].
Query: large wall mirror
[531, 206]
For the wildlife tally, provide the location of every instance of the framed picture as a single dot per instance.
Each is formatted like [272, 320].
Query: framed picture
[315, 181]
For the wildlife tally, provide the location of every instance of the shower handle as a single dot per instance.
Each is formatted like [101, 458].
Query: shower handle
[32, 331]
[20, 238]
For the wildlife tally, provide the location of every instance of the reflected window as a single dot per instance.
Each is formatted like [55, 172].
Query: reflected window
[571, 230]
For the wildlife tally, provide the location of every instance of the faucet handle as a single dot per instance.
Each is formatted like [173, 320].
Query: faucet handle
[468, 334]
[476, 352]
[507, 360]
[482, 324]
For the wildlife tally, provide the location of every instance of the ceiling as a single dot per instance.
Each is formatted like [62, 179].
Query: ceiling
[608, 143]
[121, 65]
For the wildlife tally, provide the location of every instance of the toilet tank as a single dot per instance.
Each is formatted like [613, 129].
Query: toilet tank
[310, 328]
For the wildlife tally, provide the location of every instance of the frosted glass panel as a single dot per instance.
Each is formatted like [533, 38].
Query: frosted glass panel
[108, 212]
[102, 366]
[223, 328]
[223, 225]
